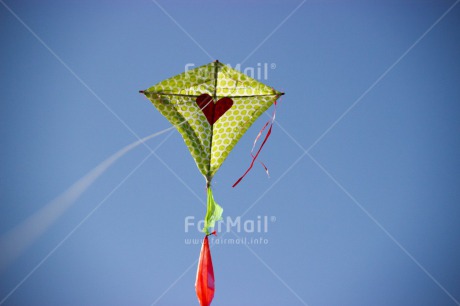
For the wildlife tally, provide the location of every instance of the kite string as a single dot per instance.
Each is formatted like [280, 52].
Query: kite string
[20, 237]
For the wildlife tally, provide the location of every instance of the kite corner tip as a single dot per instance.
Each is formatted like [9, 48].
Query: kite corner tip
[141, 91]
[216, 61]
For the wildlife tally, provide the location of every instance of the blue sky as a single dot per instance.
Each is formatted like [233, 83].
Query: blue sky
[363, 200]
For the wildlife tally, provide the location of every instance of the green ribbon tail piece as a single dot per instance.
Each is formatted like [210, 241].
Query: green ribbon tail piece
[213, 213]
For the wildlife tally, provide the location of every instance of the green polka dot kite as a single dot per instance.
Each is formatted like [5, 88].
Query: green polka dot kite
[211, 106]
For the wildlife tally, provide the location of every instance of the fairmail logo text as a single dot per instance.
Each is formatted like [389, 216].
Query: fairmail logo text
[260, 71]
[258, 225]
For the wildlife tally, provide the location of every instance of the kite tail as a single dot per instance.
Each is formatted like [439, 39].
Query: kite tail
[213, 213]
[204, 285]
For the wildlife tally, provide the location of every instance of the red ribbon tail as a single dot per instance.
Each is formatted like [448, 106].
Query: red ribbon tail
[204, 285]
[255, 156]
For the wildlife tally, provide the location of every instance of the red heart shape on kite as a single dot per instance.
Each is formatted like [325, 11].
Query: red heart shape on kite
[213, 111]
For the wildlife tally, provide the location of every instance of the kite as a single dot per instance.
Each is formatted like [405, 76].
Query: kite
[212, 106]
